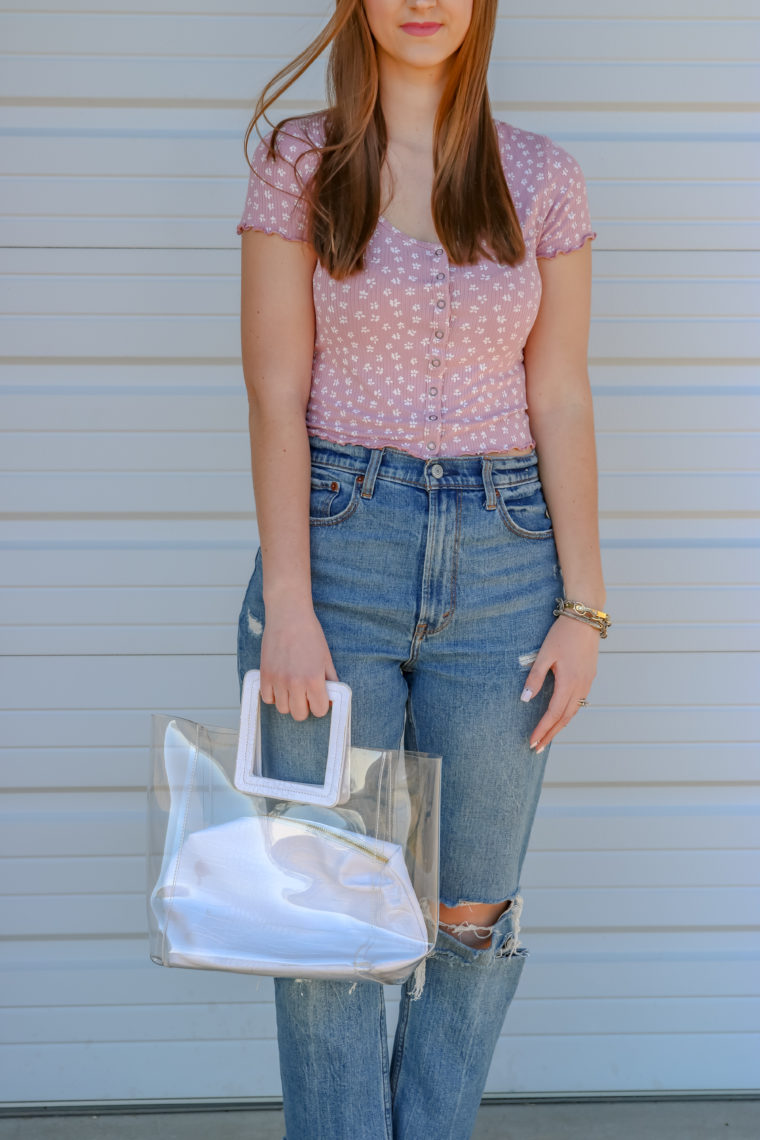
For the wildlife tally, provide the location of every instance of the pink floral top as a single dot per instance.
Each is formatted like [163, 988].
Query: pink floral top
[415, 352]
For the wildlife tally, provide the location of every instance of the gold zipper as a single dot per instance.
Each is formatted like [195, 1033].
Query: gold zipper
[340, 836]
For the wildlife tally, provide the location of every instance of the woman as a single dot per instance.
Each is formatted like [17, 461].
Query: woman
[425, 478]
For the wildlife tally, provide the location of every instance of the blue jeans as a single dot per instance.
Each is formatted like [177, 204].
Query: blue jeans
[434, 581]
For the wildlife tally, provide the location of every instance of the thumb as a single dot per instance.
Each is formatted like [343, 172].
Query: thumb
[535, 679]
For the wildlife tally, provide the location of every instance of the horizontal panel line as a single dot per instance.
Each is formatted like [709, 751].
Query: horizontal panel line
[112, 516]
[275, 58]
[84, 936]
[670, 515]
[549, 810]
[586, 887]
[601, 134]
[194, 104]
[201, 391]
[138, 361]
[180, 544]
[249, 516]
[96, 1039]
[27, 1108]
[205, 249]
[713, 852]
[524, 928]
[186, 1004]
[215, 179]
[235, 361]
[749, 928]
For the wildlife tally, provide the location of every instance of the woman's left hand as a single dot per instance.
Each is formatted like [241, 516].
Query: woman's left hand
[570, 650]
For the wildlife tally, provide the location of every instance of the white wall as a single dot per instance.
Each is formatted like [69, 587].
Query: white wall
[128, 537]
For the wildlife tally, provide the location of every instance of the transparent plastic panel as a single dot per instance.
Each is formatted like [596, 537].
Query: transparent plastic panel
[265, 885]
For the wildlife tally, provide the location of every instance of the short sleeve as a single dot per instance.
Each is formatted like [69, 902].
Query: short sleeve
[272, 199]
[567, 223]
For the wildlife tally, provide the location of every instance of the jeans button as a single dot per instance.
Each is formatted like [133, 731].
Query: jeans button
[436, 470]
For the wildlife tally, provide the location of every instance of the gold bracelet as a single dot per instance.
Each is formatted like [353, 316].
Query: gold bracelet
[598, 618]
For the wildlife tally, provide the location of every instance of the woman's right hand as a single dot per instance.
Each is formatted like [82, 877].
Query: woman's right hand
[295, 662]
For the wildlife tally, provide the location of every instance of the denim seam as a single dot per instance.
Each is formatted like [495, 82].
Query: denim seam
[442, 482]
[401, 1027]
[449, 615]
[385, 1072]
[333, 520]
[413, 726]
[508, 522]
[418, 636]
[422, 484]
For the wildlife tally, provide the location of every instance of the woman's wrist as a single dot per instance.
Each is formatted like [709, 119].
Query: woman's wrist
[590, 593]
[288, 604]
[577, 610]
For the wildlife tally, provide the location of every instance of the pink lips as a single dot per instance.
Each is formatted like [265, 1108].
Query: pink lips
[421, 29]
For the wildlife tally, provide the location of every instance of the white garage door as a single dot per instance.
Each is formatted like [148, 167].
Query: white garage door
[128, 537]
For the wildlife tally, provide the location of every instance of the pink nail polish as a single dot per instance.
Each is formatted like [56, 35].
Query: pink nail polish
[526, 694]
[540, 750]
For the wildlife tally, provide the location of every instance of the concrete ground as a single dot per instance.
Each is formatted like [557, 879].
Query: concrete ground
[696, 1119]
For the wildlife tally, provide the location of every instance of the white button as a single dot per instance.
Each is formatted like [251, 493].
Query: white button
[432, 417]
[431, 446]
[432, 391]
[435, 362]
[438, 252]
[440, 276]
[438, 333]
[436, 469]
[441, 303]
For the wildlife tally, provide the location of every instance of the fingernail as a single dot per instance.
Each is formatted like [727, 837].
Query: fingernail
[540, 750]
[533, 745]
[526, 694]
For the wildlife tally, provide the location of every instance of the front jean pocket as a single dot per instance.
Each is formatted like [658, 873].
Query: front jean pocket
[522, 508]
[334, 495]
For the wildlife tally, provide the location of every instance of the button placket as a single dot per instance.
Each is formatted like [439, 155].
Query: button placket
[436, 363]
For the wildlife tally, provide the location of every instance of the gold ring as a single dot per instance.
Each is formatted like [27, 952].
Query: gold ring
[583, 701]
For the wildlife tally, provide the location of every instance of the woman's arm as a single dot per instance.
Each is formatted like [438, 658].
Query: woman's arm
[561, 419]
[277, 335]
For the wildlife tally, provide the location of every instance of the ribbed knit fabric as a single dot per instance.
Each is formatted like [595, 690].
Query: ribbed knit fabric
[416, 352]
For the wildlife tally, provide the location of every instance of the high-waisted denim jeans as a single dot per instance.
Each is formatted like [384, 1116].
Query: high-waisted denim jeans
[434, 581]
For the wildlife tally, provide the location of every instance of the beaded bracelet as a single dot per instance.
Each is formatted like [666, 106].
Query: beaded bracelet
[598, 618]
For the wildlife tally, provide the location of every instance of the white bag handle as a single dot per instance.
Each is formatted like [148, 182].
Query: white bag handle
[248, 778]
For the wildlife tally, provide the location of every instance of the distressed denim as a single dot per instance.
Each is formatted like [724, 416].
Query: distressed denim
[434, 581]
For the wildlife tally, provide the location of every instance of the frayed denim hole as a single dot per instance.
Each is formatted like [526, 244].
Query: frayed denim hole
[255, 625]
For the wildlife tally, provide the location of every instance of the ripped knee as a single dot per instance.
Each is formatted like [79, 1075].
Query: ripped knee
[473, 923]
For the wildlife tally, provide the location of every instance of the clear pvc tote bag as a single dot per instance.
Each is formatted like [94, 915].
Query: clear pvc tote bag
[264, 876]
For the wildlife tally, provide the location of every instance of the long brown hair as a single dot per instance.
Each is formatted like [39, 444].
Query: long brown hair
[471, 202]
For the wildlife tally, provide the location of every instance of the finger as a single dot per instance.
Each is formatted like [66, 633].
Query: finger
[318, 696]
[554, 711]
[280, 698]
[308, 695]
[535, 679]
[567, 714]
[266, 692]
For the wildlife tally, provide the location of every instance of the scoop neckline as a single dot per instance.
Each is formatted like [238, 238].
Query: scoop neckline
[420, 241]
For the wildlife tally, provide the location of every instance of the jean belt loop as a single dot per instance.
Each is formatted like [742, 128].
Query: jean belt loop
[488, 485]
[370, 474]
